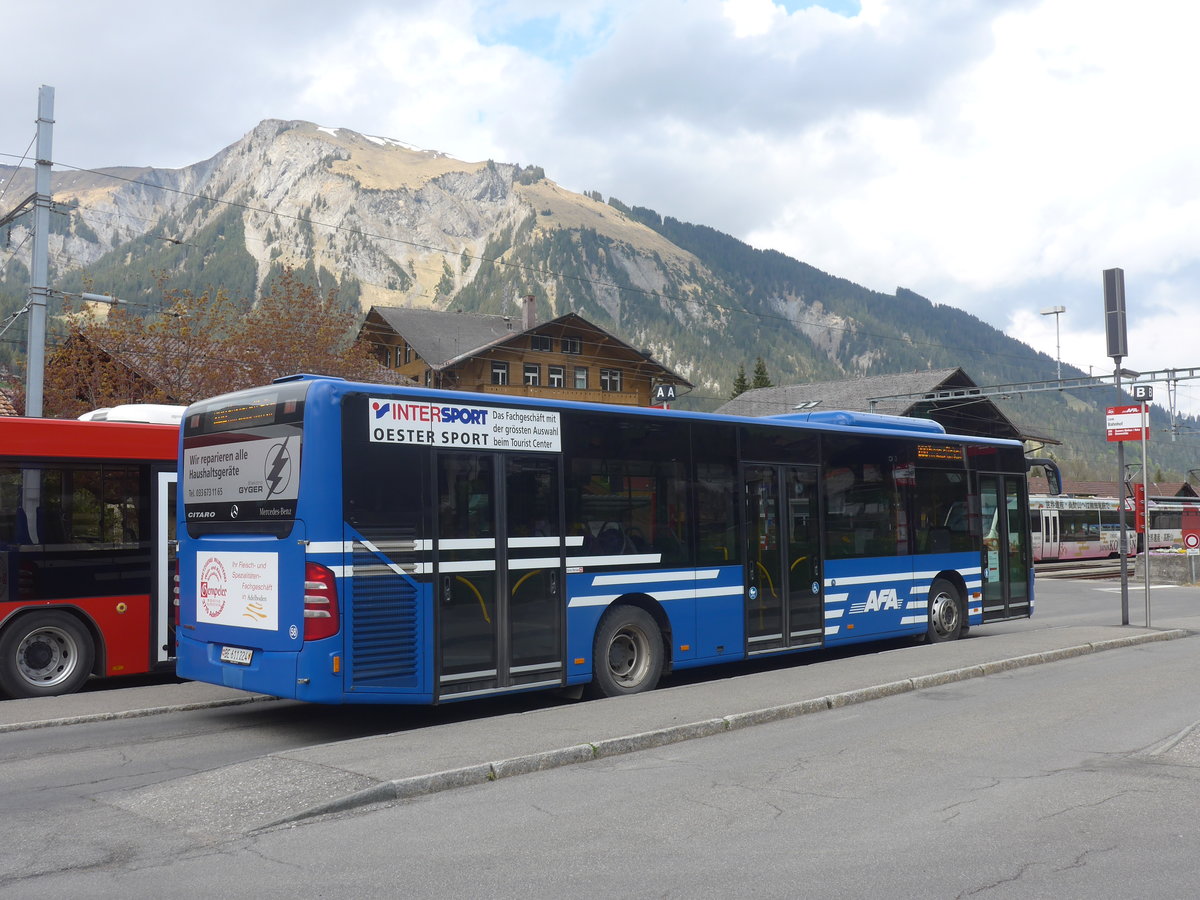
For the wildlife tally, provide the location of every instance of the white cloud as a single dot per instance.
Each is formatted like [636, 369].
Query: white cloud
[752, 17]
[995, 155]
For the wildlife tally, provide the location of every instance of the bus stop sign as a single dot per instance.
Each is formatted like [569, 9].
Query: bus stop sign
[1125, 423]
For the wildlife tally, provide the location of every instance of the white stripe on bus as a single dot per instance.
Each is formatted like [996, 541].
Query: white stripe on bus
[662, 596]
[632, 559]
[652, 577]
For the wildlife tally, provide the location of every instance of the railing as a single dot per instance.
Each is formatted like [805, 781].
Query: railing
[626, 398]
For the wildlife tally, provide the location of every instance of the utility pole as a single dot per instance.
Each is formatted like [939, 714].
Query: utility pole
[39, 273]
[1056, 311]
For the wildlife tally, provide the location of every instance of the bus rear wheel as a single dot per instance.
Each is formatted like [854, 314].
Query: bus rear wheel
[946, 618]
[45, 654]
[627, 656]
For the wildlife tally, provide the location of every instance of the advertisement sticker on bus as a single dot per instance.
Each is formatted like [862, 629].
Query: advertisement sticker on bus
[454, 425]
[257, 477]
[239, 589]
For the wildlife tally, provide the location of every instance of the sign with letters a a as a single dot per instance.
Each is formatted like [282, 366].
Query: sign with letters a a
[664, 393]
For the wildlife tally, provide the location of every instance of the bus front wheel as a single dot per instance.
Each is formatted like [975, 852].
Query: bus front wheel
[627, 656]
[946, 617]
[44, 654]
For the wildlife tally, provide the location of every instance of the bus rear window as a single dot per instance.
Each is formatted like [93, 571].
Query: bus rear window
[240, 470]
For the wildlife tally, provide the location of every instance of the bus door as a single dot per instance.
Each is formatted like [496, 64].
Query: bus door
[499, 572]
[162, 591]
[1006, 556]
[783, 568]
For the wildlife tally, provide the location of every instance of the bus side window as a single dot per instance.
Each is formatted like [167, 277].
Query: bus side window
[10, 506]
[628, 503]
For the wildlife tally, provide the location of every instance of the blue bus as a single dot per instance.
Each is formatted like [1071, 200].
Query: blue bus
[343, 542]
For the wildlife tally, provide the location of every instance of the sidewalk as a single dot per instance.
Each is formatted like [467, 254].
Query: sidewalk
[476, 752]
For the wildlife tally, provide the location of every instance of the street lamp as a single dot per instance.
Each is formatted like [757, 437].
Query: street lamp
[1056, 311]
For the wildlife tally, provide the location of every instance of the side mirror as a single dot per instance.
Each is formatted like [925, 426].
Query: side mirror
[1053, 476]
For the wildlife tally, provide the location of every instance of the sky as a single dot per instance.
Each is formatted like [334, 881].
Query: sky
[992, 155]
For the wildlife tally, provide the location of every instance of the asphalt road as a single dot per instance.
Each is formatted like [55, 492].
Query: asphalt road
[153, 787]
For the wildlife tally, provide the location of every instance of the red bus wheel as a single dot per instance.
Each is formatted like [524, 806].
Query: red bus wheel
[43, 654]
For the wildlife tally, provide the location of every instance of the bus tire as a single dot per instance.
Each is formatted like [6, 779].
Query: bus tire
[627, 654]
[44, 654]
[946, 616]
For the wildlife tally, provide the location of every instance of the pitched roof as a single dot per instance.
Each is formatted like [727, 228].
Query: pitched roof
[1161, 489]
[443, 339]
[153, 359]
[868, 394]
[847, 393]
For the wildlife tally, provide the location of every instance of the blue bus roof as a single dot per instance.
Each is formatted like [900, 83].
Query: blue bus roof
[845, 418]
[823, 420]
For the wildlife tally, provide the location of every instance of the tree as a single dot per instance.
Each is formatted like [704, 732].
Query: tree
[761, 379]
[740, 386]
[204, 345]
[294, 329]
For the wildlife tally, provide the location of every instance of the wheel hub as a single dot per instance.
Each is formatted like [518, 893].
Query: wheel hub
[622, 656]
[38, 656]
[45, 658]
[945, 614]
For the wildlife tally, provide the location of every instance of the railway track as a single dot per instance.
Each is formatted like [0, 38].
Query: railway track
[1081, 568]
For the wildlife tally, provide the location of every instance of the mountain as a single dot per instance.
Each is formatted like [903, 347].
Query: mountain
[385, 223]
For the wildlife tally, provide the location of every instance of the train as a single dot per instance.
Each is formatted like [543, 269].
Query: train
[1066, 528]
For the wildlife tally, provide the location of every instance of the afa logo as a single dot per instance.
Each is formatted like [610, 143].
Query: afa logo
[876, 601]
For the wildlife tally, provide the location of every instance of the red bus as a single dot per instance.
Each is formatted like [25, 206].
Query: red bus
[86, 559]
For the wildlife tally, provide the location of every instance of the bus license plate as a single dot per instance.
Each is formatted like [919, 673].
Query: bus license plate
[237, 655]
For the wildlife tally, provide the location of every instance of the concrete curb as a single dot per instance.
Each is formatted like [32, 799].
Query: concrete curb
[133, 713]
[420, 785]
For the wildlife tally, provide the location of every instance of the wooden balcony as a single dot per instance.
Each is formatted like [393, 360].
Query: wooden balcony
[622, 398]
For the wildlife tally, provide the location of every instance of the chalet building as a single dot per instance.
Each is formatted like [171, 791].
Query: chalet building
[567, 358]
[138, 369]
[958, 415]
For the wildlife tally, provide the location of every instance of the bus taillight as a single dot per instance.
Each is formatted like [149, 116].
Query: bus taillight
[175, 594]
[320, 602]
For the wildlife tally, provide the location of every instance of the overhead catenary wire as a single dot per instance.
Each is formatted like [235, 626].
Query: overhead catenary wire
[24, 156]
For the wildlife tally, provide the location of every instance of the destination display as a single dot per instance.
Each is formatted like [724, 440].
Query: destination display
[940, 452]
